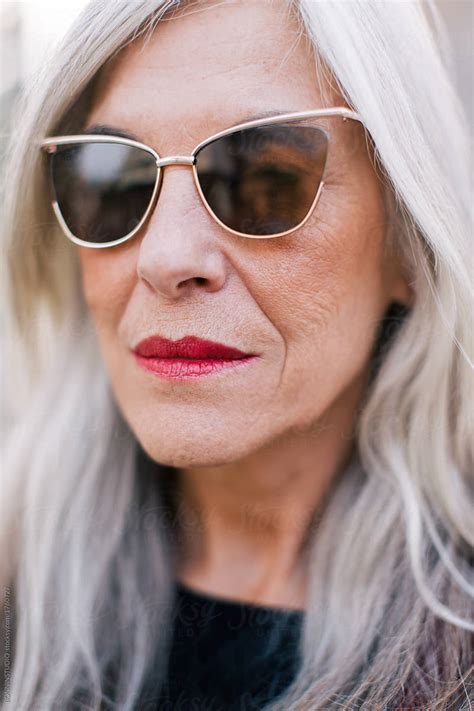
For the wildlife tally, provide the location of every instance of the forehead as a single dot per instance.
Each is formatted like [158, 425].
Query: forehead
[204, 70]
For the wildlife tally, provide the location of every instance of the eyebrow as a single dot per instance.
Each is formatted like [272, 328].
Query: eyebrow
[109, 130]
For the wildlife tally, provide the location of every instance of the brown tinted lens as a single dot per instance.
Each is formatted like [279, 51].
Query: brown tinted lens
[263, 180]
[103, 190]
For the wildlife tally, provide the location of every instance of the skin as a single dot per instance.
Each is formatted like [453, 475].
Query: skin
[255, 449]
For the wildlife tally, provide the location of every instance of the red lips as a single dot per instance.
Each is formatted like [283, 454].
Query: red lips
[189, 347]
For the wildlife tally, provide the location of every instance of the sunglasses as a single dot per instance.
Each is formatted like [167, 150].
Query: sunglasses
[258, 179]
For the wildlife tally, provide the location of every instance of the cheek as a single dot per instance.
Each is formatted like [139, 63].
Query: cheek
[108, 279]
[335, 262]
[324, 291]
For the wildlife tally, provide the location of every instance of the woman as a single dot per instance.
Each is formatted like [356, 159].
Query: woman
[314, 464]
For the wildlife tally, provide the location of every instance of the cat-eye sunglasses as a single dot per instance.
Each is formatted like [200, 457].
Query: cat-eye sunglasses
[258, 179]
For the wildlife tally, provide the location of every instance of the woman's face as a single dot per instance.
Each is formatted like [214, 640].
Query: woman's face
[308, 303]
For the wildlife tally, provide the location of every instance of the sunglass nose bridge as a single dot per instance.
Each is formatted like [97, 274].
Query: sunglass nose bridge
[175, 160]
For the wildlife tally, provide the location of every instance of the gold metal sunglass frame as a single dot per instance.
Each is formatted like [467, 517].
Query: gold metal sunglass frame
[50, 145]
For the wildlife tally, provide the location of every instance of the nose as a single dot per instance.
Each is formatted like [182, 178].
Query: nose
[180, 251]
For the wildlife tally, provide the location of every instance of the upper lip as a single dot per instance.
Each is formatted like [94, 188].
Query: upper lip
[190, 347]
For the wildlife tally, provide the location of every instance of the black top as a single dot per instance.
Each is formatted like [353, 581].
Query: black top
[227, 655]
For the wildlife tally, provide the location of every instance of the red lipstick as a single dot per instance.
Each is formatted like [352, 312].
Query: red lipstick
[190, 357]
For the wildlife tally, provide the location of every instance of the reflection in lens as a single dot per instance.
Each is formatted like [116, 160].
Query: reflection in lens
[263, 180]
[103, 190]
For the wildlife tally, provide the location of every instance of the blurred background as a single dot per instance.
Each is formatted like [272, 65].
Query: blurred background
[29, 30]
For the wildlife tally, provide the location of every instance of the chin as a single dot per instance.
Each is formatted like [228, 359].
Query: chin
[183, 449]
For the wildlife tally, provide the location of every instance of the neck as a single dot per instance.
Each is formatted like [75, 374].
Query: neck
[243, 527]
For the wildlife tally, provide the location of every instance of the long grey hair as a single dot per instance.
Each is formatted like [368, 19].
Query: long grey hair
[86, 545]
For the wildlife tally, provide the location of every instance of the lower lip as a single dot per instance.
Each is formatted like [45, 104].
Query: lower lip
[185, 369]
